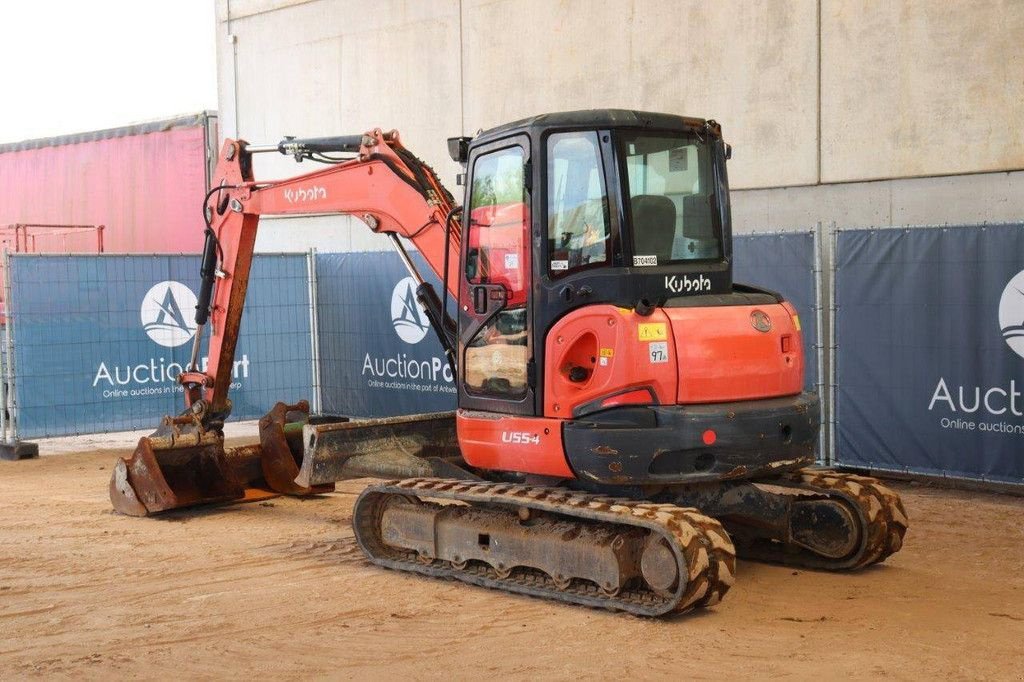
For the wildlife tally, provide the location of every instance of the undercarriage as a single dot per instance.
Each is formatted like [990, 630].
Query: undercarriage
[644, 550]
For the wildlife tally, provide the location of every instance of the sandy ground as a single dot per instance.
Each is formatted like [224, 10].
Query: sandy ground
[279, 588]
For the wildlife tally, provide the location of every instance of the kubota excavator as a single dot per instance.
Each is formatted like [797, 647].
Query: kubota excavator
[620, 399]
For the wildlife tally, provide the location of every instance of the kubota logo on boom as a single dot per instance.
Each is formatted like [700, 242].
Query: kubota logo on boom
[1011, 313]
[407, 315]
[300, 194]
[166, 314]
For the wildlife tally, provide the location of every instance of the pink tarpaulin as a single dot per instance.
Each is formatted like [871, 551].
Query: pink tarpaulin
[144, 183]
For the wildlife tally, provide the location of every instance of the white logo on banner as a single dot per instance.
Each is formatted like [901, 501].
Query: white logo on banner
[1011, 313]
[407, 315]
[167, 314]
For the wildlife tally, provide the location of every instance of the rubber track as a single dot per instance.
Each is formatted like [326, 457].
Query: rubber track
[881, 513]
[707, 553]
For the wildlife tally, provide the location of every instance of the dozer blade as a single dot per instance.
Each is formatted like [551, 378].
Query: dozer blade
[410, 446]
[183, 464]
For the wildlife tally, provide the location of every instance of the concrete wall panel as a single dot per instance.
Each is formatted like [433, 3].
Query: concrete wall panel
[947, 200]
[909, 88]
[333, 68]
[751, 65]
[920, 87]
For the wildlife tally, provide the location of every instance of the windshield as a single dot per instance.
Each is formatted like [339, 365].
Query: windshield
[672, 202]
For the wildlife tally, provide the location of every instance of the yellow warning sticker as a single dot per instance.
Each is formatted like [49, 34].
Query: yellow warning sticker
[607, 352]
[651, 331]
[796, 322]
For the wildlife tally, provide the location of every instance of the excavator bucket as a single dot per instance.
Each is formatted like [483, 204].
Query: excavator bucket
[182, 464]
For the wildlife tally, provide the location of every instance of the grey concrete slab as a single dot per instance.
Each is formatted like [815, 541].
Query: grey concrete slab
[750, 65]
[921, 88]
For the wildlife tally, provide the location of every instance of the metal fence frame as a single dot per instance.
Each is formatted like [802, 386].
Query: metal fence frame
[826, 348]
[834, 345]
[11, 378]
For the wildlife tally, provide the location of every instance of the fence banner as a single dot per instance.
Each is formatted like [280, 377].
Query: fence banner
[784, 263]
[379, 356]
[99, 340]
[930, 356]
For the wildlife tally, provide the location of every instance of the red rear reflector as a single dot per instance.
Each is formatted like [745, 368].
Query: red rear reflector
[787, 343]
[709, 437]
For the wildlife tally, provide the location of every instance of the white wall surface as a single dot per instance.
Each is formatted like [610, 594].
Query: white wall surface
[865, 112]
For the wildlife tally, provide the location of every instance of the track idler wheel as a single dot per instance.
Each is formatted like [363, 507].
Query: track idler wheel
[829, 528]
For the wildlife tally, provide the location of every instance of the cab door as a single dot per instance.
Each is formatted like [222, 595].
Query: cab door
[495, 339]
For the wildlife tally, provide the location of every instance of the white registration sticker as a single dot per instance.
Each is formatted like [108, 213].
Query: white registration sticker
[511, 261]
[658, 351]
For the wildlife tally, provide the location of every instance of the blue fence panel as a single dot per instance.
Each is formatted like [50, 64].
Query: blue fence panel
[379, 356]
[930, 351]
[784, 263]
[99, 340]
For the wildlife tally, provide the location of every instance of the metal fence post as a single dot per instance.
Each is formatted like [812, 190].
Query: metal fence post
[10, 406]
[832, 341]
[819, 346]
[12, 448]
[314, 331]
[3, 358]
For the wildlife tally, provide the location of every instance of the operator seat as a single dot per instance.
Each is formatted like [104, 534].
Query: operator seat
[654, 225]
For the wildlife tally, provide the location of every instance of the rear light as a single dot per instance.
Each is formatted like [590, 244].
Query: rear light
[787, 343]
[709, 437]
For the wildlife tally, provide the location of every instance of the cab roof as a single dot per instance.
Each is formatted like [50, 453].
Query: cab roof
[596, 119]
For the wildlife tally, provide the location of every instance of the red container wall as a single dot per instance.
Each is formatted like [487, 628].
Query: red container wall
[147, 189]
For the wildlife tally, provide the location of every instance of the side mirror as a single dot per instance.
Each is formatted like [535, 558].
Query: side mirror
[728, 152]
[458, 149]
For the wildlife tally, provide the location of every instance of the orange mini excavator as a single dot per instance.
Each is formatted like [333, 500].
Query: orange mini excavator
[626, 413]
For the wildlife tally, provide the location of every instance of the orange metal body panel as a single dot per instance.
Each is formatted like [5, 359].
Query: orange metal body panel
[530, 445]
[613, 345]
[723, 357]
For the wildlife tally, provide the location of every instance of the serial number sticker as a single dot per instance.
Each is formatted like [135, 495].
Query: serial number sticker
[559, 265]
[511, 261]
[658, 351]
[644, 261]
[607, 352]
[651, 331]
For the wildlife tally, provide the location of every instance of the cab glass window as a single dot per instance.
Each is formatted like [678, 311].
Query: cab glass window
[672, 204]
[497, 235]
[578, 233]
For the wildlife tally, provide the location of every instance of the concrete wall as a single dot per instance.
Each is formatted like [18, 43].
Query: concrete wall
[862, 112]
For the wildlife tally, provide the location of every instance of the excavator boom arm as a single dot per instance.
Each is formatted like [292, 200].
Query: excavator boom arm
[385, 186]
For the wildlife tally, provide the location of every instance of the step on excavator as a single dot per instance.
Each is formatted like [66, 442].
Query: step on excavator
[629, 419]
